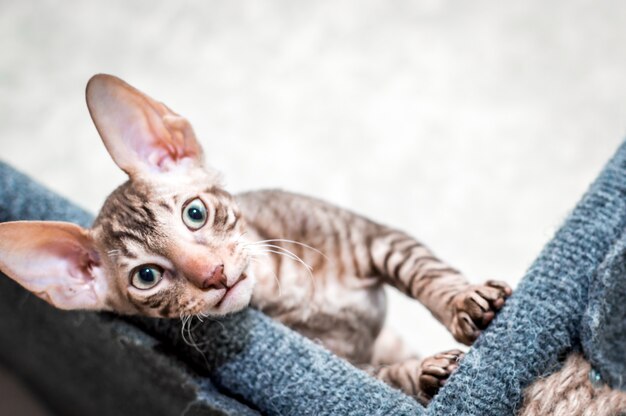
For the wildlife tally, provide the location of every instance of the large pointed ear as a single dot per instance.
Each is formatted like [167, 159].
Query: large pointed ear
[142, 135]
[56, 261]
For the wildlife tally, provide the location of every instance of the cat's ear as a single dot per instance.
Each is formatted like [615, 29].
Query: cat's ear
[142, 135]
[56, 261]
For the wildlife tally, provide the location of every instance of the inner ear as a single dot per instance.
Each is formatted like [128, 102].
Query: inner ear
[56, 261]
[143, 136]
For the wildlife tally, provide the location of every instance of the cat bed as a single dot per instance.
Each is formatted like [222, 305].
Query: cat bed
[96, 363]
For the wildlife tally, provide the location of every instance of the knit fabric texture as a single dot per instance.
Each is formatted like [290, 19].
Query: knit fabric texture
[542, 321]
[604, 324]
[571, 295]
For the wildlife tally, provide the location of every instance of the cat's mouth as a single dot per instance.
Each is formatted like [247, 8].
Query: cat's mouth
[229, 289]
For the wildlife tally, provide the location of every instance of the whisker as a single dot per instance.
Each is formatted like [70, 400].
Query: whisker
[290, 256]
[290, 253]
[295, 258]
[283, 240]
[192, 342]
[280, 289]
[189, 340]
[201, 315]
[183, 318]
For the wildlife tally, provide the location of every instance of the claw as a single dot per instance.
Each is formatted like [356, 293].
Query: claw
[475, 308]
[435, 372]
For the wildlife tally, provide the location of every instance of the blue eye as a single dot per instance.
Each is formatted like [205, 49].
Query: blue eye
[194, 214]
[146, 276]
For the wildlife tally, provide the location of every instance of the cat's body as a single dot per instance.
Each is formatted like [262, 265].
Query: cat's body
[339, 301]
[171, 242]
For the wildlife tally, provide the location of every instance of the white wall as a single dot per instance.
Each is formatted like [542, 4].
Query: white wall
[473, 125]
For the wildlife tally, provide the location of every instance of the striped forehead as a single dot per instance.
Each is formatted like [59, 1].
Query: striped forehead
[128, 216]
[136, 215]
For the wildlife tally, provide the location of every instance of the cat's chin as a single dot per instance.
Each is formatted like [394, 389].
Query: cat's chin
[236, 299]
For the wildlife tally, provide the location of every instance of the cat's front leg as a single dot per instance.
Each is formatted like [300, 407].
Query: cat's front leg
[420, 379]
[464, 309]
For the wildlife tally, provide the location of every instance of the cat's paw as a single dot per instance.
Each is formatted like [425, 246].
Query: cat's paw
[475, 307]
[435, 371]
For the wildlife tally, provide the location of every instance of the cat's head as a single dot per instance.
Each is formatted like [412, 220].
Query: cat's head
[168, 242]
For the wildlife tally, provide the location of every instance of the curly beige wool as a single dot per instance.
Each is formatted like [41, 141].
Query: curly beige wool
[569, 392]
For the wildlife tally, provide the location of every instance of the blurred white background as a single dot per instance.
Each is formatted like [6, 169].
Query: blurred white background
[475, 126]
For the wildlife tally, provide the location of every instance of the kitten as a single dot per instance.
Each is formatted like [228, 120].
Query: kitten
[171, 242]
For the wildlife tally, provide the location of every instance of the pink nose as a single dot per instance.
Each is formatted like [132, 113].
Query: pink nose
[216, 279]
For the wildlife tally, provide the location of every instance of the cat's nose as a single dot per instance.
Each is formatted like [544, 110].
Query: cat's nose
[216, 279]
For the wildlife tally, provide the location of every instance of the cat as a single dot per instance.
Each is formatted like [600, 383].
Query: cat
[171, 242]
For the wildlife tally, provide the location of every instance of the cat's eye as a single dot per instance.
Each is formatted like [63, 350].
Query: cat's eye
[194, 214]
[146, 276]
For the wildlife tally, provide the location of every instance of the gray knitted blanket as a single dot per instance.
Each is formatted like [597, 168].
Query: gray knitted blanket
[572, 298]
